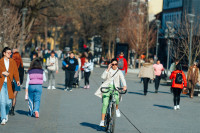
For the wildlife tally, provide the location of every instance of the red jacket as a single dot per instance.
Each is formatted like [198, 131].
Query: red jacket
[125, 63]
[173, 76]
[82, 63]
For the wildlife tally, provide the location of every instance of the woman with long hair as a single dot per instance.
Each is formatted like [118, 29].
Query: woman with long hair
[35, 78]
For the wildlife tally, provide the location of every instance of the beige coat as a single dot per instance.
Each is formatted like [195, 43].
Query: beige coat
[147, 71]
[108, 77]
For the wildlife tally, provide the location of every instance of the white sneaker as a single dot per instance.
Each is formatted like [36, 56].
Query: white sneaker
[102, 124]
[178, 107]
[175, 107]
[3, 122]
[53, 87]
[118, 113]
[66, 89]
[49, 88]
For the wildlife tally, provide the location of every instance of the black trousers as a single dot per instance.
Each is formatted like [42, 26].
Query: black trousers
[157, 82]
[145, 82]
[87, 76]
[177, 93]
[69, 78]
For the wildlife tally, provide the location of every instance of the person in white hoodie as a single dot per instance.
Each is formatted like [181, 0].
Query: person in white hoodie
[87, 71]
[52, 67]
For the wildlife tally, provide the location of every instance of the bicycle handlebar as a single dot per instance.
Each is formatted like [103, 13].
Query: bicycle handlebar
[107, 89]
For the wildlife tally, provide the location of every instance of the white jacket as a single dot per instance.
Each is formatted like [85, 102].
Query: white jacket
[87, 67]
[53, 67]
[108, 76]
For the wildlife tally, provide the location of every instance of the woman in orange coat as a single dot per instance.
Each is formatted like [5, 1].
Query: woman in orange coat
[179, 82]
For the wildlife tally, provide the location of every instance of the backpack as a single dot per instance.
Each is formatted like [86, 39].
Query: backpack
[179, 78]
[121, 63]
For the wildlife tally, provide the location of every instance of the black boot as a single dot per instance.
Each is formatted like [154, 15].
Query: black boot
[12, 111]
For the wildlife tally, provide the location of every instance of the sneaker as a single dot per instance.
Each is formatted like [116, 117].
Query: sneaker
[88, 87]
[49, 88]
[53, 87]
[85, 87]
[3, 122]
[118, 113]
[178, 107]
[66, 89]
[175, 108]
[70, 89]
[36, 114]
[102, 123]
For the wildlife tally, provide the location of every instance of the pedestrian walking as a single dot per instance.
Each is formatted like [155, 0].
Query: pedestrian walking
[52, 67]
[35, 78]
[8, 70]
[192, 78]
[146, 73]
[173, 65]
[122, 63]
[16, 56]
[83, 56]
[179, 82]
[112, 76]
[71, 65]
[158, 68]
[87, 71]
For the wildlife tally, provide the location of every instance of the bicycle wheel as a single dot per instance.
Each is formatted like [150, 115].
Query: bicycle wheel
[107, 121]
[112, 119]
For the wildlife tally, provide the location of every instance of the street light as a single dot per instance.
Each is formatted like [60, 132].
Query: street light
[157, 43]
[169, 34]
[191, 20]
[24, 10]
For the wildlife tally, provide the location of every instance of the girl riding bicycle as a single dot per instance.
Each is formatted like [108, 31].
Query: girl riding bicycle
[113, 76]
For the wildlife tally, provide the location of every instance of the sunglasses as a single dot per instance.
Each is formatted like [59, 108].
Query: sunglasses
[114, 64]
[8, 52]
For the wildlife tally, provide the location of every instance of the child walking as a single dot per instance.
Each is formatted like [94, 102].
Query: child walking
[87, 71]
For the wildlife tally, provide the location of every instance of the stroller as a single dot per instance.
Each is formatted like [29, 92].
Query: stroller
[76, 79]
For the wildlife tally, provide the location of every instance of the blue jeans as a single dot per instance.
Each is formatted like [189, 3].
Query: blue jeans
[5, 102]
[34, 96]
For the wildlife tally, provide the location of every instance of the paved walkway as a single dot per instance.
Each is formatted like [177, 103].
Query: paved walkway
[79, 111]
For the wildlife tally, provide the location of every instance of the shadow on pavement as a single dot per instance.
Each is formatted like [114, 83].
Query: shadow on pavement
[61, 84]
[94, 126]
[163, 106]
[160, 92]
[137, 93]
[22, 112]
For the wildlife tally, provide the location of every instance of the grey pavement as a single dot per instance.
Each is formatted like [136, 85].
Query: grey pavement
[79, 111]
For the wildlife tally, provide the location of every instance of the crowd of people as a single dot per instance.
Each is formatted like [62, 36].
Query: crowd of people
[12, 76]
[150, 71]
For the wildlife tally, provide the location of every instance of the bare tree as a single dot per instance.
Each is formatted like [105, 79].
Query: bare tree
[9, 26]
[134, 32]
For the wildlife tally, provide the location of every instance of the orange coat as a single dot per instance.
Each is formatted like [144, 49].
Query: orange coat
[13, 72]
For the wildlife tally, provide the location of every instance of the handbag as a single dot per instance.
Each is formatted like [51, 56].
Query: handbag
[163, 75]
[13, 84]
[185, 91]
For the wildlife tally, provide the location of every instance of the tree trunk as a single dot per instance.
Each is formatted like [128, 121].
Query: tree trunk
[45, 32]
[109, 49]
[135, 57]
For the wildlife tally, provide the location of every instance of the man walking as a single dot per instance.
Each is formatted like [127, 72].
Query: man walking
[8, 70]
[52, 67]
[70, 66]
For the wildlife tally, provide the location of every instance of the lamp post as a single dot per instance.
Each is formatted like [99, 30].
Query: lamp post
[191, 20]
[147, 4]
[169, 34]
[157, 43]
[24, 10]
